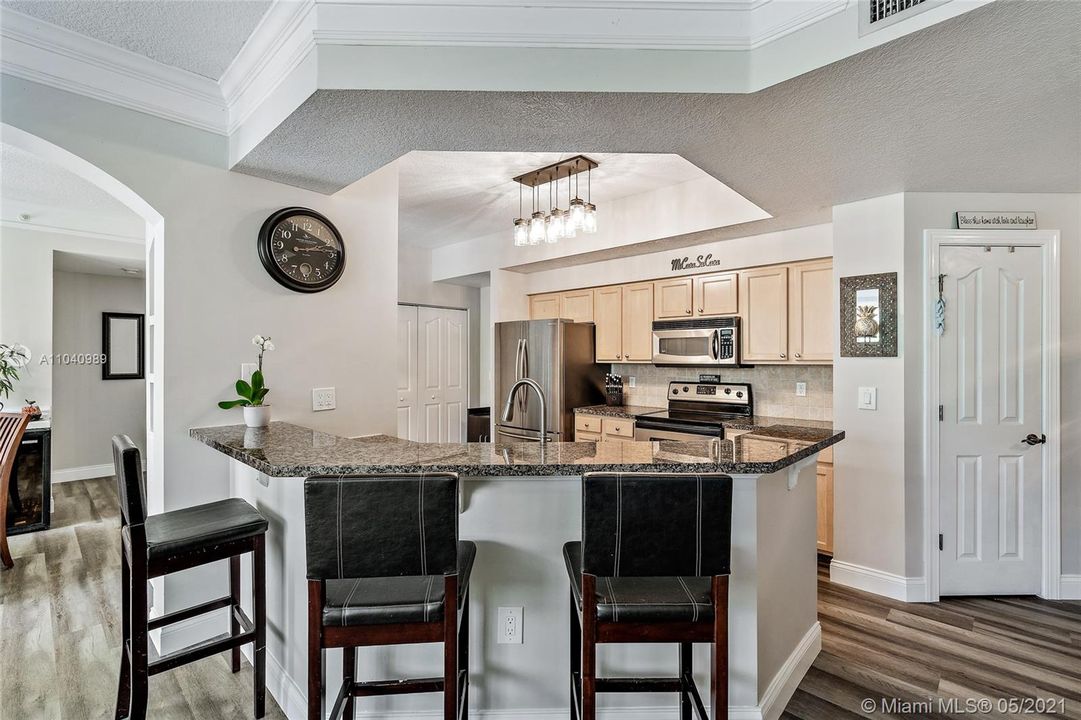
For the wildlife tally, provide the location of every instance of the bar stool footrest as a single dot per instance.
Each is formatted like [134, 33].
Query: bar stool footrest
[198, 651]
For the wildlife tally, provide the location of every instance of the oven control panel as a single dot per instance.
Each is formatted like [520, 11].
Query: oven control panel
[728, 393]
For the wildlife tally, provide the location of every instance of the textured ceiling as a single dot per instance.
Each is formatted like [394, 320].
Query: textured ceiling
[54, 197]
[202, 36]
[988, 101]
[447, 196]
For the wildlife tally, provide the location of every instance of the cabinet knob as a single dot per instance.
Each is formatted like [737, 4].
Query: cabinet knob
[797, 356]
[433, 396]
[626, 357]
[688, 311]
[782, 355]
[700, 310]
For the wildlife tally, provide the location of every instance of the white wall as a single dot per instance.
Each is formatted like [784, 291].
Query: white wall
[26, 296]
[217, 295]
[88, 411]
[869, 466]
[415, 286]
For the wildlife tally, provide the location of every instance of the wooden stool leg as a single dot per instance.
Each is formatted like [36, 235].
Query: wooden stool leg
[589, 647]
[450, 647]
[234, 594]
[719, 663]
[140, 681]
[123, 690]
[315, 650]
[686, 676]
[349, 676]
[576, 657]
[258, 583]
[5, 554]
[463, 655]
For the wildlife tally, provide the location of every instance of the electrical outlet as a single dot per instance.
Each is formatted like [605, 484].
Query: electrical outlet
[801, 389]
[248, 369]
[323, 399]
[631, 380]
[509, 631]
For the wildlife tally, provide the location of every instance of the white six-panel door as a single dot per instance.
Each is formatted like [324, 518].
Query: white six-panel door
[433, 373]
[991, 392]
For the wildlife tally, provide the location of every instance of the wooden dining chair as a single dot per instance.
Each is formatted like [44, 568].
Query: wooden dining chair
[12, 428]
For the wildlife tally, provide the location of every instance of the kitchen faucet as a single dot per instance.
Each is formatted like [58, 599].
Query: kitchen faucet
[508, 409]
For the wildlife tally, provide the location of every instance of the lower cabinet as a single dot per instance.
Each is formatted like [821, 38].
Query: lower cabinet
[825, 508]
[594, 428]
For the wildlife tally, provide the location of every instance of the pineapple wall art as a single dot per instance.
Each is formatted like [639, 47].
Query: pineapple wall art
[868, 319]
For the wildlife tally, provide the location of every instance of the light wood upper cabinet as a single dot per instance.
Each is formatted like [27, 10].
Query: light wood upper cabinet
[716, 294]
[810, 311]
[544, 307]
[673, 298]
[638, 322]
[764, 297]
[577, 305]
[608, 317]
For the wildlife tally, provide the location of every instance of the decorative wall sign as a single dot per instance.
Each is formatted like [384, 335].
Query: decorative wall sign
[869, 315]
[686, 263]
[995, 220]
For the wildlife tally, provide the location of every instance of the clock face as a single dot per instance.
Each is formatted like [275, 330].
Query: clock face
[301, 249]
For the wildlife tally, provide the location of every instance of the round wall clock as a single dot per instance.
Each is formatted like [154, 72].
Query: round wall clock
[301, 249]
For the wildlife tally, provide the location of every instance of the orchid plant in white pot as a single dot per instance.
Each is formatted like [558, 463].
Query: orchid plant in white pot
[252, 393]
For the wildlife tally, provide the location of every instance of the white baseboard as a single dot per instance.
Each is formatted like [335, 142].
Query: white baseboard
[897, 587]
[86, 472]
[1070, 587]
[293, 700]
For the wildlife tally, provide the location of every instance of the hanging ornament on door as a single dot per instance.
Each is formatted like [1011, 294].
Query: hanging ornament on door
[940, 309]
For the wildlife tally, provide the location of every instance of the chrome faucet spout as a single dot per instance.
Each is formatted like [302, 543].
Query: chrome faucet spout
[508, 408]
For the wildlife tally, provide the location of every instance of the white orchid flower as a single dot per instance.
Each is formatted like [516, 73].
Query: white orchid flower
[268, 345]
[257, 340]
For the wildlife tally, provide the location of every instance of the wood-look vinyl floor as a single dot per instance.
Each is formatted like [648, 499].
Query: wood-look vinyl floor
[60, 626]
[959, 651]
[60, 634]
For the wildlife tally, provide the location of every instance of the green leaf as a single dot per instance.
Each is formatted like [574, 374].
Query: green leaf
[259, 395]
[230, 404]
[257, 381]
[243, 389]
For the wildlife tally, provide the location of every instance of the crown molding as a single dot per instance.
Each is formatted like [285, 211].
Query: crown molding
[56, 230]
[54, 56]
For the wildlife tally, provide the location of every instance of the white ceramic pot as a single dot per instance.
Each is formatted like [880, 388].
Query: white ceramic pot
[257, 416]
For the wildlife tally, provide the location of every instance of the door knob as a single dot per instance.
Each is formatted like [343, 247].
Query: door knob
[1032, 439]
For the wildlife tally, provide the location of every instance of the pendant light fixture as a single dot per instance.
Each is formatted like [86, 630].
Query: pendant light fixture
[557, 223]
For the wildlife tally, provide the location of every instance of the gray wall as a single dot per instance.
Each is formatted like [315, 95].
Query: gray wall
[88, 411]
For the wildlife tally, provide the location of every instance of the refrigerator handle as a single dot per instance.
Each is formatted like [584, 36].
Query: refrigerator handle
[518, 373]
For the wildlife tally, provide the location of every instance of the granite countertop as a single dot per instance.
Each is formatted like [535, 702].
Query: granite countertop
[287, 450]
[628, 412]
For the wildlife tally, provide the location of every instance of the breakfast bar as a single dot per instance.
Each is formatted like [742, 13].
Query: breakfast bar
[520, 502]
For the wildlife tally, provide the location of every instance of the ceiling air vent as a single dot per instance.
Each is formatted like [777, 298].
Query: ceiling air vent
[877, 14]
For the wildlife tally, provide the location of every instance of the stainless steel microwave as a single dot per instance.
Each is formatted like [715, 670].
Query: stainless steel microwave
[702, 342]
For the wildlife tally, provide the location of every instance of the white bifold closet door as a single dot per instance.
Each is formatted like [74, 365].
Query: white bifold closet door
[433, 373]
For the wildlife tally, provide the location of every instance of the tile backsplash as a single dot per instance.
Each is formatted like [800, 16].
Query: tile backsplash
[774, 387]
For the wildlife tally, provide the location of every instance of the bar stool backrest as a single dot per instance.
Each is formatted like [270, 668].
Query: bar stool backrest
[366, 526]
[656, 525]
[130, 483]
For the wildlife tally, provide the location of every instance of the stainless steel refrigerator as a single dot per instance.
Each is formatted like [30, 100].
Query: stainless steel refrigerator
[559, 356]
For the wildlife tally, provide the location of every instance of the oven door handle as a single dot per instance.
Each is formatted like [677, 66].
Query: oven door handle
[680, 428]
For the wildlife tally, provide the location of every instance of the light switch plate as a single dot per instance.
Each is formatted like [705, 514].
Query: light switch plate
[801, 389]
[631, 380]
[868, 398]
[323, 399]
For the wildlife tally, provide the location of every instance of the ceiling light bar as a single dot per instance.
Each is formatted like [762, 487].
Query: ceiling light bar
[557, 223]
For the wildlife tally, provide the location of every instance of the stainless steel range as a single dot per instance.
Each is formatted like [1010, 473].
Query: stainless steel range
[696, 411]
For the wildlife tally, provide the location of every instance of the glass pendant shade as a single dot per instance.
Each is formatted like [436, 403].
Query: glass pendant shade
[537, 230]
[557, 225]
[577, 213]
[521, 232]
[589, 223]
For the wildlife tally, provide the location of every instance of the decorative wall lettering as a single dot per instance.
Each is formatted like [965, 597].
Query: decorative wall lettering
[995, 220]
[686, 263]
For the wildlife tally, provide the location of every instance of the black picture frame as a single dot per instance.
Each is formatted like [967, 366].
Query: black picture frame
[107, 372]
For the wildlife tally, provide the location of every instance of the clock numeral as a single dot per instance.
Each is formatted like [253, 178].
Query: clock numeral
[279, 245]
[286, 234]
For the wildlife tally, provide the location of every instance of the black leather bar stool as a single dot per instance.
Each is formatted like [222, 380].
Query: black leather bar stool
[156, 545]
[385, 567]
[652, 567]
